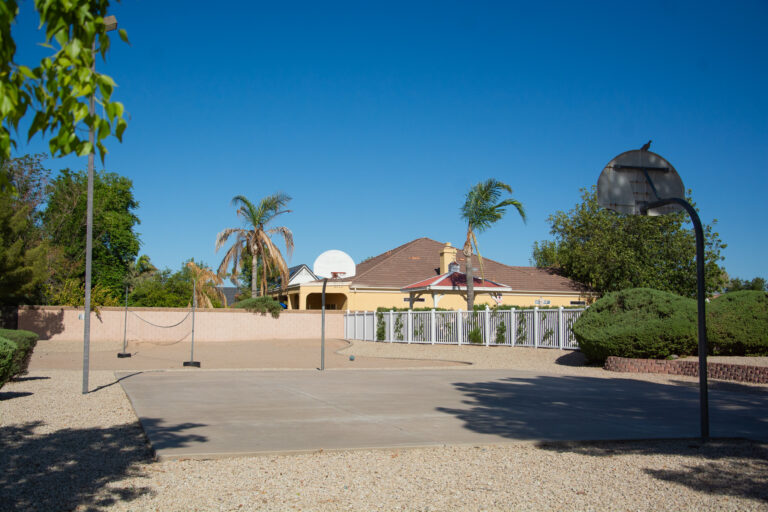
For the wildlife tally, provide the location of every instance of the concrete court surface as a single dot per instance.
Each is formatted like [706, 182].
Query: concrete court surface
[209, 414]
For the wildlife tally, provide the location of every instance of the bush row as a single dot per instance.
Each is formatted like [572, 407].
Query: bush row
[15, 352]
[261, 305]
[646, 323]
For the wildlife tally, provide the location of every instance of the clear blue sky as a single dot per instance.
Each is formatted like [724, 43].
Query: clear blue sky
[377, 118]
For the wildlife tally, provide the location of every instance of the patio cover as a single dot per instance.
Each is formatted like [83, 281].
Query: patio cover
[453, 282]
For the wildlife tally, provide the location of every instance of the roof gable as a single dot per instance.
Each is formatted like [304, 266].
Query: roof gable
[300, 274]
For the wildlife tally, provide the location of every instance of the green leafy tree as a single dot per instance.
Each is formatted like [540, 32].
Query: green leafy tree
[22, 251]
[71, 292]
[482, 208]
[138, 271]
[29, 181]
[609, 252]
[163, 289]
[736, 284]
[22, 262]
[115, 243]
[57, 91]
[255, 240]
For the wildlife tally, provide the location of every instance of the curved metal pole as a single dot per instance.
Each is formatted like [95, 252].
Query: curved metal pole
[700, 299]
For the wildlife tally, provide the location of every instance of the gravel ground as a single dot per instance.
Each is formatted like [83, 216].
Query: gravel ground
[66, 451]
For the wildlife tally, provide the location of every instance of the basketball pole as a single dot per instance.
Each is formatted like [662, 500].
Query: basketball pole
[322, 330]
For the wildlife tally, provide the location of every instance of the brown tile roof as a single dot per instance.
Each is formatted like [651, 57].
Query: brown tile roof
[420, 259]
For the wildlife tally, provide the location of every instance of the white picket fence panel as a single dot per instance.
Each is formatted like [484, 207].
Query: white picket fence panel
[540, 328]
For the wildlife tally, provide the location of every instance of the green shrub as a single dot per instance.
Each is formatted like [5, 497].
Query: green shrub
[261, 305]
[501, 333]
[25, 341]
[399, 328]
[475, 336]
[521, 335]
[8, 350]
[639, 322]
[737, 324]
[381, 328]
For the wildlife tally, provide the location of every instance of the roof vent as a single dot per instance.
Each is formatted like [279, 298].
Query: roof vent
[454, 267]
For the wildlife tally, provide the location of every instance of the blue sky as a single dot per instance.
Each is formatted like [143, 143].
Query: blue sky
[377, 118]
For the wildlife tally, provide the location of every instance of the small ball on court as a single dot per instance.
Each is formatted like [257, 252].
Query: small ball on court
[351, 358]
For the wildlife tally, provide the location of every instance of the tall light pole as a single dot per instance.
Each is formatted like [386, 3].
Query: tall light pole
[110, 23]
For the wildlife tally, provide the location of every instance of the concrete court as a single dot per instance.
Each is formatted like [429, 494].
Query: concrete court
[209, 414]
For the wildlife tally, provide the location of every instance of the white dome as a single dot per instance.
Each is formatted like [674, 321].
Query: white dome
[334, 263]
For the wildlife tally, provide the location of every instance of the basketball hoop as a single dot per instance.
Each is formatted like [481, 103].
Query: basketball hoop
[640, 182]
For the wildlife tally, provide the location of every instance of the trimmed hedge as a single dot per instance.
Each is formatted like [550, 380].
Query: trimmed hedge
[26, 341]
[639, 322]
[7, 351]
[737, 324]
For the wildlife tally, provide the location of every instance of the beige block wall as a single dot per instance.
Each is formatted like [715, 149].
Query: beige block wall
[66, 323]
[369, 300]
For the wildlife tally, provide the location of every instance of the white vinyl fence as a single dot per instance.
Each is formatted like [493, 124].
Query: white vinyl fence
[540, 328]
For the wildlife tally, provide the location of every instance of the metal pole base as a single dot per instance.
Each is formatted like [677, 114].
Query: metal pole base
[123, 354]
[196, 364]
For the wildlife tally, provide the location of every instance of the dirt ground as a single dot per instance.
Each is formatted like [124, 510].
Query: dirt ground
[277, 354]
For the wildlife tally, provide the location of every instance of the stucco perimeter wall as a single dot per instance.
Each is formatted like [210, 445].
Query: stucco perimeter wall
[66, 323]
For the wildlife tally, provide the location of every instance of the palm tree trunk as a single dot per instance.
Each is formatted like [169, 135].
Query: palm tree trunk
[264, 278]
[470, 278]
[254, 274]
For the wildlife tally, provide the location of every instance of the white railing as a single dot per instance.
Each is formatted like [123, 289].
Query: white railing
[540, 328]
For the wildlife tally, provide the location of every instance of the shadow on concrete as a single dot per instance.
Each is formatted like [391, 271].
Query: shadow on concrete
[724, 385]
[729, 467]
[70, 467]
[116, 381]
[44, 323]
[586, 408]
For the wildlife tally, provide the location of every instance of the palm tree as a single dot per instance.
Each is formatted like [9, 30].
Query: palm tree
[205, 282]
[481, 210]
[138, 271]
[256, 240]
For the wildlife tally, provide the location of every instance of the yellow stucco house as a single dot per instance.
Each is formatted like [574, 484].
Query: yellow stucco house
[383, 281]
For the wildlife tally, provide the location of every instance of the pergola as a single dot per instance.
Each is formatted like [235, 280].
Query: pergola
[452, 282]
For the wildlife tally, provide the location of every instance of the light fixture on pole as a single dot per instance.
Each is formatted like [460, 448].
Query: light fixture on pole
[110, 23]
